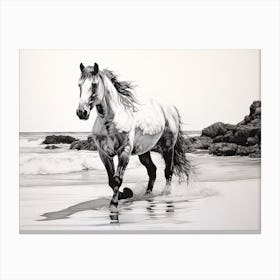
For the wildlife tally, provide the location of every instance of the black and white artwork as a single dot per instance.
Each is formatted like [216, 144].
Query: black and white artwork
[161, 141]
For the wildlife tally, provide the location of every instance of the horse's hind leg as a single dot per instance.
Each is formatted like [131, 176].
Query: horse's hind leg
[168, 155]
[146, 160]
[167, 143]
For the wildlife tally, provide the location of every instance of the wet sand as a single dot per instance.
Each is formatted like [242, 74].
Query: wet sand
[223, 196]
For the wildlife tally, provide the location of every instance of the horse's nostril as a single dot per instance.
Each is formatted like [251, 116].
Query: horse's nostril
[85, 114]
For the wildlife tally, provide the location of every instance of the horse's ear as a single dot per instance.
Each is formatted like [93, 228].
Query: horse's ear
[95, 69]
[82, 67]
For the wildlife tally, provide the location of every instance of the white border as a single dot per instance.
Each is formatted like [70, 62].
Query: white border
[156, 24]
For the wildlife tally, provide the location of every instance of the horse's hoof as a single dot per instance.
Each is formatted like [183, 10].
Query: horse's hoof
[126, 193]
[148, 194]
[167, 190]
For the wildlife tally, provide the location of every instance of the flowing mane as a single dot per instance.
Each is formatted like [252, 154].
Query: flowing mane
[124, 89]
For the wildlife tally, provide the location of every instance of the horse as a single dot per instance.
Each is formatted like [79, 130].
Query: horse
[125, 127]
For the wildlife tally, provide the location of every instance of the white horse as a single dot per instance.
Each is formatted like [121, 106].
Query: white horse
[125, 127]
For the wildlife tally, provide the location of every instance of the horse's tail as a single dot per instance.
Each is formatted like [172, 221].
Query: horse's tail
[182, 166]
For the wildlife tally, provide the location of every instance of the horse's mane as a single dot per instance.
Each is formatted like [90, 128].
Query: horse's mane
[124, 89]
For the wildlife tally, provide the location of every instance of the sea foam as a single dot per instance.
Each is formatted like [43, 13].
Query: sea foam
[63, 162]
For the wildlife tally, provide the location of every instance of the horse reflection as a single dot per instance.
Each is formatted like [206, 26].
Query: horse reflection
[170, 208]
[151, 208]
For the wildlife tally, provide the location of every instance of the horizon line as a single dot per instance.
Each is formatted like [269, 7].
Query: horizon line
[89, 131]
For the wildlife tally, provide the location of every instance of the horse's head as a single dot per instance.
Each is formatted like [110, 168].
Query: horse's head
[91, 90]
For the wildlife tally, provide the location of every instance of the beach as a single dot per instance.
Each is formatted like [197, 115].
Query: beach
[66, 191]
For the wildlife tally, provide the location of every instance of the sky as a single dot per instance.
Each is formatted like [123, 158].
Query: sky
[205, 85]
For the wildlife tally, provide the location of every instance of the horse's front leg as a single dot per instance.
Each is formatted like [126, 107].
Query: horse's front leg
[123, 157]
[110, 168]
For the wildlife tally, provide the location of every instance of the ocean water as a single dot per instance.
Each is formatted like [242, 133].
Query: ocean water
[64, 190]
[35, 159]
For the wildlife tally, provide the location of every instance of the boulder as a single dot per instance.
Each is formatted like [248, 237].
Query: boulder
[218, 139]
[223, 149]
[240, 136]
[59, 139]
[251, 141]
[231, 127]
[244, 132]
[231, 149]
[229, 136]
[224, 138]
[245, 151]
[255, 108]
[201, 142]
[88, 144]
[214, 130]
[258, 112]
[189, 145]
[255, 155]
[255, 121]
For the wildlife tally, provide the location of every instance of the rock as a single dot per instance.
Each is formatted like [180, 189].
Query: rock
[88, 144]
[59, 139]
[223, 149]
[244, 132]
[245, 151]
[219, 138]
[252, 151]
[255, 155]
[253, 108]
[247, 119]
[214, 130]
[51, 147]
[189, 145]
[228, 136]
[251, 141]
[256, 121]
[240, 136]
[224, 138]
[258, 112]
[231, 127]
[201, 142]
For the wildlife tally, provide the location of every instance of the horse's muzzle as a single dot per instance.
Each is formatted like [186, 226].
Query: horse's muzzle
[82, 114]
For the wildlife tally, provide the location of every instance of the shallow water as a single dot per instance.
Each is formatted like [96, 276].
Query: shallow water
[67, 191]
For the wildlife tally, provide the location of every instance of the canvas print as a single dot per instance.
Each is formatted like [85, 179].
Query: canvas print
[144, 141]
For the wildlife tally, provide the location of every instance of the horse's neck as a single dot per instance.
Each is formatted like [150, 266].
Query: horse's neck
[110, 105]
[110, 110]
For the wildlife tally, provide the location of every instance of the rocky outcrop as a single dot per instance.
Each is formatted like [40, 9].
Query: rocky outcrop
[242, 139]
[59, 139]
[88, 144]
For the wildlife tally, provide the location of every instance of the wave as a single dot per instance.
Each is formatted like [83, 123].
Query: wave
[63, 162]
[24, 142]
